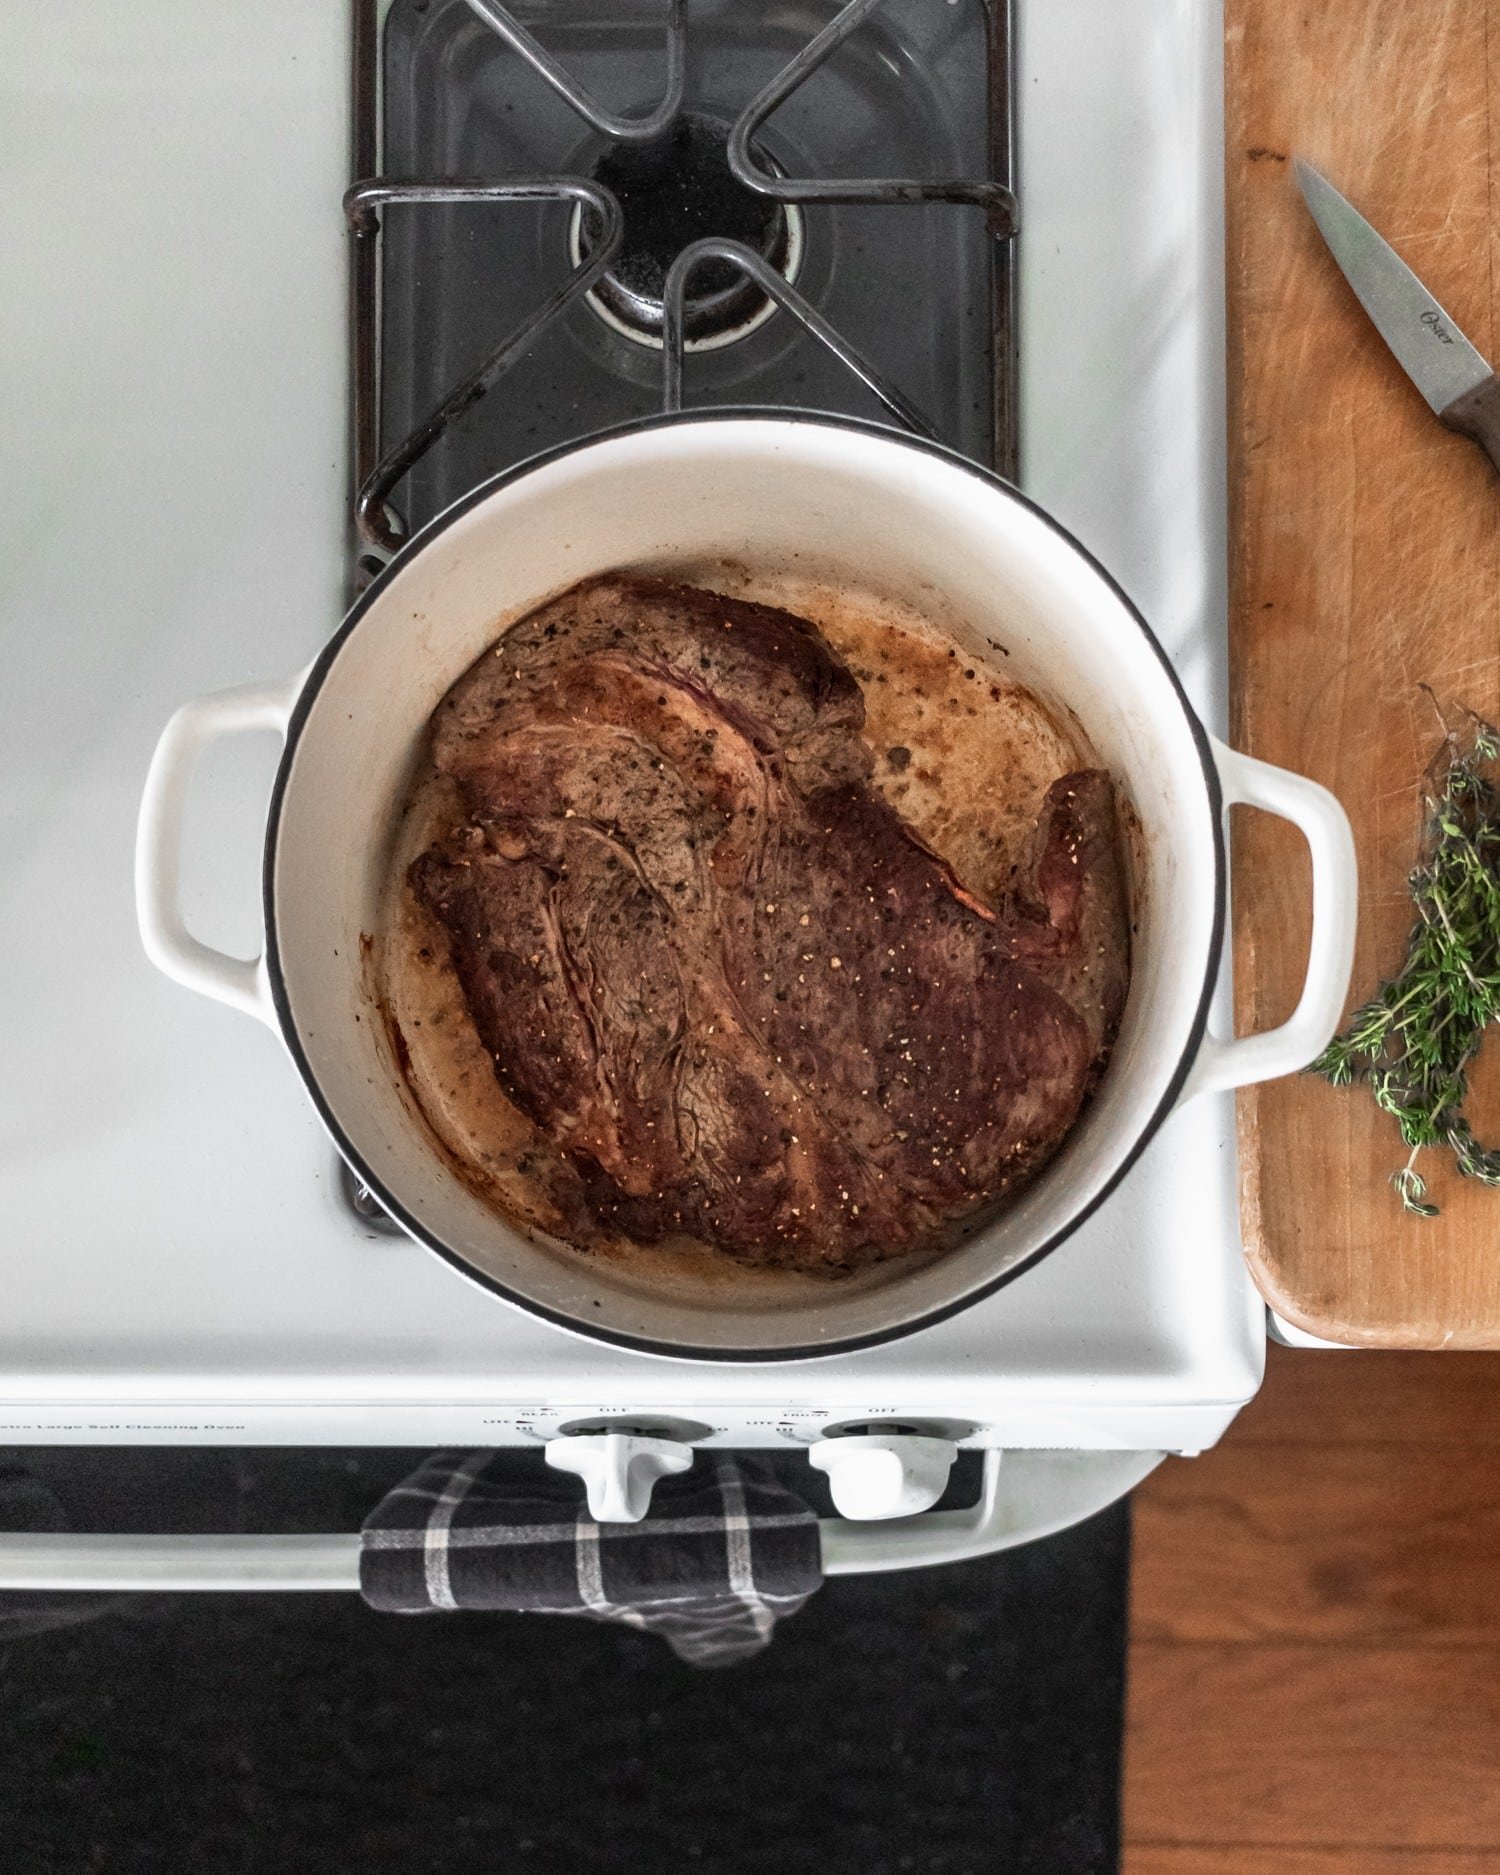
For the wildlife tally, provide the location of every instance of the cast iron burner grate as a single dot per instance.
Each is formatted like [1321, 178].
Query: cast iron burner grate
[687, 228]
[675, 190]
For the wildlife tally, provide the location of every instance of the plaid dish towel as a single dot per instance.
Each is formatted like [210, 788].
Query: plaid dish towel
[723, 1553]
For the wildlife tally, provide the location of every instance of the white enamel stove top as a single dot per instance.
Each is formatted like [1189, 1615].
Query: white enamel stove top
[174, 1263]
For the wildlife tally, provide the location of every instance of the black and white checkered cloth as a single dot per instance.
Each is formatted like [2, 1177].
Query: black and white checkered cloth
[723, 1553]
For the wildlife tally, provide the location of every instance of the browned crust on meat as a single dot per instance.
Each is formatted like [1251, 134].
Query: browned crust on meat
[719, 971]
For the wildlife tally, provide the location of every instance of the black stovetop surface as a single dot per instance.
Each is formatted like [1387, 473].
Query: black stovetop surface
[912, 286]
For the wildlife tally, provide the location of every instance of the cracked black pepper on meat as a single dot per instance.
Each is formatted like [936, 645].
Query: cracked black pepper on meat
[725, 988]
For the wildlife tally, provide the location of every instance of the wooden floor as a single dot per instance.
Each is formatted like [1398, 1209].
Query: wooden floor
[1315, 1651]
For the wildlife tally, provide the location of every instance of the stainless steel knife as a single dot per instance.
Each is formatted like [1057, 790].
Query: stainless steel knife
[1434, 354]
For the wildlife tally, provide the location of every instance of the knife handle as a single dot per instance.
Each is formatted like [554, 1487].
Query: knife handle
[1477, 415]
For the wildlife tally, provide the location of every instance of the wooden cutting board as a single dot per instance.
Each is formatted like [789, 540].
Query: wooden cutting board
[1365, 562]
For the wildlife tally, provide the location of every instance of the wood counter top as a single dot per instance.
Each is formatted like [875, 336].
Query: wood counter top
[1365, 562]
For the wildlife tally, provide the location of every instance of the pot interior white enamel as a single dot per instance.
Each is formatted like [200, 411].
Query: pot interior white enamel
[832, 501]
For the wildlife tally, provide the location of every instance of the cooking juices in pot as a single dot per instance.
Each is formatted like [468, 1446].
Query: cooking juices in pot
[798, 943]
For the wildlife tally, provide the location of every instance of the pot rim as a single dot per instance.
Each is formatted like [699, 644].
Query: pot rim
[389, 1202]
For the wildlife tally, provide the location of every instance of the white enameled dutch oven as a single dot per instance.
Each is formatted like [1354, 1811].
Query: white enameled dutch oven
[836, 500]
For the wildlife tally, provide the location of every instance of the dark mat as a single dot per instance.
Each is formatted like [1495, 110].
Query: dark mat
[948, 1720]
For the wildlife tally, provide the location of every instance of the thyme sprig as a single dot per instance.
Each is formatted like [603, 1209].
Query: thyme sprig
[1414, 1042]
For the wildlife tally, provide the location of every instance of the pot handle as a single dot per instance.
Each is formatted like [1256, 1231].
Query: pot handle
[1238, 1062]
[238, 981]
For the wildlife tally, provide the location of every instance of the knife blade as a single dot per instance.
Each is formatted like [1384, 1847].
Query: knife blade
[1455, 379]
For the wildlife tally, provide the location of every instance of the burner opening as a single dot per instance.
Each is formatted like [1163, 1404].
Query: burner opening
[673, 191]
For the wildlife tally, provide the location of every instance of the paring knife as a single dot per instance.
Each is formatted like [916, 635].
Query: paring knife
[1434, 354]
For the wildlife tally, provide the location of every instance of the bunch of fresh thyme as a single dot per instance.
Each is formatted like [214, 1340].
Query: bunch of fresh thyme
[1416, 1039]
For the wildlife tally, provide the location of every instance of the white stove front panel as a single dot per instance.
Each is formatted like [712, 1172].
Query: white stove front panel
[174, 1263]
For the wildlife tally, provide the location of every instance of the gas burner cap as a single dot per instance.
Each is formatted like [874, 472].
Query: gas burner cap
[673, 191]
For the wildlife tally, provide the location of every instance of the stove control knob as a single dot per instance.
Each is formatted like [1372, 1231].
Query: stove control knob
[884, 1474]
[618, 1469]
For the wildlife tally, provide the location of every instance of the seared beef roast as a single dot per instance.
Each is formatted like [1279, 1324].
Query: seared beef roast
[724, 975]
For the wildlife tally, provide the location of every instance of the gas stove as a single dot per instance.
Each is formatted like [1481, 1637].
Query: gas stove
[862, 154]
[182, 1260]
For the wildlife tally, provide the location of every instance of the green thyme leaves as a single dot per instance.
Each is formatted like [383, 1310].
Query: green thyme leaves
[1413, 1043]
